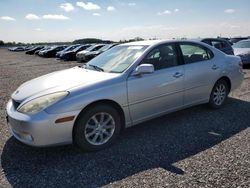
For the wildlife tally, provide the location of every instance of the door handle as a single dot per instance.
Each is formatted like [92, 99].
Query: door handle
[177, 75]
[215, 67]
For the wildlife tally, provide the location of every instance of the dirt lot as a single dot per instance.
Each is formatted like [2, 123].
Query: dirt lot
[196, 147]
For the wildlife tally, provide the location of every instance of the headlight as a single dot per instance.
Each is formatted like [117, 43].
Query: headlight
[40, 103]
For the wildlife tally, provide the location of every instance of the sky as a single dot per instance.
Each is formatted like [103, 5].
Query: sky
[67, 20]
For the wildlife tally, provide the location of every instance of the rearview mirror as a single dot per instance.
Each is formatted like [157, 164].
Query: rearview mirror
[143, 69]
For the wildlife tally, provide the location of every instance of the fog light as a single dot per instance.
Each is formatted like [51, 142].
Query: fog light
[24, 136]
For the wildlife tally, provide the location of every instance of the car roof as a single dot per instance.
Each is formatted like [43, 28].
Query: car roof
[155, 42]
[201, 39]
[240, 38]
[142, 43]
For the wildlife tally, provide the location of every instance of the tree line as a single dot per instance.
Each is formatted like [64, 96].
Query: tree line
[78, 41]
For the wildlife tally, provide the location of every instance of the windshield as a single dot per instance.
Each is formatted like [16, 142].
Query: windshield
[69, 48]
[80, 48]
[106, 47]
[57, 47]
[92, 47]
[47, 48]
[117, 59]
[242, 44]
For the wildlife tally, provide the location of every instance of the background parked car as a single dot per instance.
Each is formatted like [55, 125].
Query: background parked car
[17, 49]
[32, 51]
[52, 51]
[71, 55]
[42, 51]
[80, 56]
[237, 39]
[29, 47]
[44, 48]
[69, 48]
[242, 49]
[90, 55]
[220, 44]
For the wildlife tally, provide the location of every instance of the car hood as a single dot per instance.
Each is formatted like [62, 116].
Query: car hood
[93, 53]
[240, 51]
[83, 52]
[59, 81]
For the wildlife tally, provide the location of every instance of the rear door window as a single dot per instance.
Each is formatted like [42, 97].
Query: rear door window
[193, 53]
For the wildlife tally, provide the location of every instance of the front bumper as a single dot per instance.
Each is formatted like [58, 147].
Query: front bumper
[89, 57]
[80, 58]
[58, 55]
[39, 129]
[68, 57]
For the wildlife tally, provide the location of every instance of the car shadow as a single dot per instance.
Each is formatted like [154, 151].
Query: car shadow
[153, 144]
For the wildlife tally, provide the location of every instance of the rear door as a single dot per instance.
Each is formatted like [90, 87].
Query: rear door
[200, 72]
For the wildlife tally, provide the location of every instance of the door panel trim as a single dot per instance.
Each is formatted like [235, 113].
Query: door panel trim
[156, 97]
[194, 87]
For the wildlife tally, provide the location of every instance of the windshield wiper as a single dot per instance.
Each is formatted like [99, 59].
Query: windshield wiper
[96, 68]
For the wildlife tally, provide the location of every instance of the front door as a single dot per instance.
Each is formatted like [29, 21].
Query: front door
[154, 94]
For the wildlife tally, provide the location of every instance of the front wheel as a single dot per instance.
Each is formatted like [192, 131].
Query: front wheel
[219, 94]
[97, 128]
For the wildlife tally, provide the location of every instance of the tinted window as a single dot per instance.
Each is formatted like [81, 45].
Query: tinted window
[226, 44]
[60, 48]
[217, 44]
[81, 48]
[207, 42]
[162, 57]
[96, 48]
[195, 53]
[106, 47]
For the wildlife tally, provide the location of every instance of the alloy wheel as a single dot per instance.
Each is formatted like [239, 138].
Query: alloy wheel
[219, 94]
[99, 128]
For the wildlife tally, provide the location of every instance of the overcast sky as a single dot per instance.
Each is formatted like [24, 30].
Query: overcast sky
[66, 20]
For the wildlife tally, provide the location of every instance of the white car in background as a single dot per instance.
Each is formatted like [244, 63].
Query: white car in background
[242, 49]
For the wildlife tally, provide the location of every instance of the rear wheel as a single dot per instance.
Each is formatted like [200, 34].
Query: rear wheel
[219, 94]
[97, 128]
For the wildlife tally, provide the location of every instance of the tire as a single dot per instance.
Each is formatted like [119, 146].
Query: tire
[219, 94]
[97, 128]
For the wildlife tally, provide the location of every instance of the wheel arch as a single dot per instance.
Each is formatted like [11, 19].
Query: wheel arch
[227, 79]
[102, 102]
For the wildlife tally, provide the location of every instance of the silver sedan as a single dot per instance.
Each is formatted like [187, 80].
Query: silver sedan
[126, 85]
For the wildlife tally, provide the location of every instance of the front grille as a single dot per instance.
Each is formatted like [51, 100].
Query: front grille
[15, 104]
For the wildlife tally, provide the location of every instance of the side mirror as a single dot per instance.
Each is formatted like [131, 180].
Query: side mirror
[143, 69]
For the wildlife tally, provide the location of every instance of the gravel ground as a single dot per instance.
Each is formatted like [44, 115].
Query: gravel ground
[196, 147]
